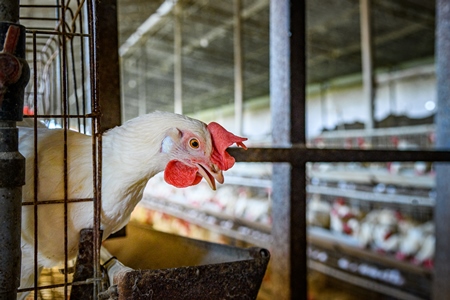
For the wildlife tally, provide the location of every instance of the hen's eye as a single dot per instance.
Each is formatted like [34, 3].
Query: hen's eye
[194, 143]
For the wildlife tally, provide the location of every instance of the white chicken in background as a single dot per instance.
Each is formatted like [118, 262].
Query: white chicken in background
[414, 240]
[425, 255]
[385, 238]
[157, 188]
[251, 207]
[226, 197]
[343, 218]
[388, 231]
[380, 230]
[318, 212]
[187, 150]
[200, 196]
[403, 144]
[365, 234]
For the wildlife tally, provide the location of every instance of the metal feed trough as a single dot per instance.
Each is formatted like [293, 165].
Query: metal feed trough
[148, 264]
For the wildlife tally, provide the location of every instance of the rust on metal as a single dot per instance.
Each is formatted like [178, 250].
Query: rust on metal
[10, 66]
[288, 104]
[232, 280]
[298, 155]
[166, 266]
[12, 163]
[84, 267]
[441, 288]
[14, 71]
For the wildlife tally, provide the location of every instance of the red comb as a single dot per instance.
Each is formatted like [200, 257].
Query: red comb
[222, 139]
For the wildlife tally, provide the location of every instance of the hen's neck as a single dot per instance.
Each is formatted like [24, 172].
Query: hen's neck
[130, 159]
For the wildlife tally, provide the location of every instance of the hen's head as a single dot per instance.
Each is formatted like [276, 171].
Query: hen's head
[198, 151]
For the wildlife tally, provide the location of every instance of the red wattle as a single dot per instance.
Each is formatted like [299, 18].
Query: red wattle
[181, 175]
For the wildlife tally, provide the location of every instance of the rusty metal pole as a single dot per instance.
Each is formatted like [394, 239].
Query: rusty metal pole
[287, 96]
[367, 61]
[441, 287]
[178, 58]
[238, 67]
[14, 75]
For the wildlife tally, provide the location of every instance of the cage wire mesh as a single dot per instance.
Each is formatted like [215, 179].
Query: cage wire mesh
[59, 52]
[59, 59]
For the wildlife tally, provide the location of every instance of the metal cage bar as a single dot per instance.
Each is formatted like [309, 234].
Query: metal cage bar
[14, 73]
[63, 93]
[441, 288]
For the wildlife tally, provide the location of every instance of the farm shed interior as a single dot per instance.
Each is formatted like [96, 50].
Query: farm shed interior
[353, 82]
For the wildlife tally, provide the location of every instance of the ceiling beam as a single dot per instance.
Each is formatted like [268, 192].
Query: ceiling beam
[356, 47]
[149, 24]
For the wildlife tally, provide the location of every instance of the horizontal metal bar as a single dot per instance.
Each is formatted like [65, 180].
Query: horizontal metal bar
[58, 201]
[59, 116]
[361, 281]
[53, 32]
[39, 19]
[38, 6]
[298, 155]
[54, 286]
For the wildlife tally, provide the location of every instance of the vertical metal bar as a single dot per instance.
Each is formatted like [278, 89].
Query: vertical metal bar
[178, 60]
[9, 11]
[84, 267]
[35, 173]
[297, 43]
[105, 88]
[280, 108]
[238, 67]
[95, 46]
[142, 88]
[323, 104]
[12, 170]
[65, 126]
[12, 163]
[83, 59]
[441, 287]
[287, 93]
[106, 46]
[367, 61]
[298, 280]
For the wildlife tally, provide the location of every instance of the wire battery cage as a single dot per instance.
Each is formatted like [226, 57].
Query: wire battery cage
[61, 56]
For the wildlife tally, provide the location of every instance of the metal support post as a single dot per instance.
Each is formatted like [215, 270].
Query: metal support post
[178, 59]
[287, 94]
[441, 287]
[238, 68]
[103, 49]
[367, 62]
[14, 75]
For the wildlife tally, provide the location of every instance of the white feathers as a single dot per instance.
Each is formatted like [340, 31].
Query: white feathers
[166, 144]
[131, 156]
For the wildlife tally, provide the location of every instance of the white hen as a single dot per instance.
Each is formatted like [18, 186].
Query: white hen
[186, 149]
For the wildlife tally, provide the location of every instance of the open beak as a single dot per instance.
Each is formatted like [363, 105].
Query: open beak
[211, 175]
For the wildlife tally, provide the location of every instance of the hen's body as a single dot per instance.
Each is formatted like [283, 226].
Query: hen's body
[132, 154]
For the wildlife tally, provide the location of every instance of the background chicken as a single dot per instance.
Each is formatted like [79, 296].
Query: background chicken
[187, 150]
[344, 218]
[417, 238]
[318, 212]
